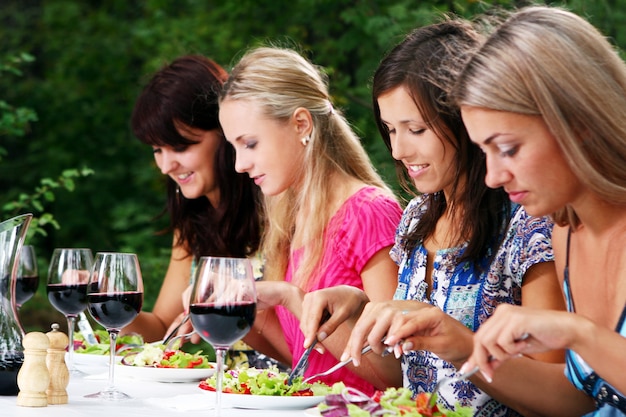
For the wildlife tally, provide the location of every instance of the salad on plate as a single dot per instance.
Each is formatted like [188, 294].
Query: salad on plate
[127, 342]
[391, 402]
[156, 356]
[267, 382]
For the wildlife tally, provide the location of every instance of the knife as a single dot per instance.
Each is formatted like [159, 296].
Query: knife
[303, 362]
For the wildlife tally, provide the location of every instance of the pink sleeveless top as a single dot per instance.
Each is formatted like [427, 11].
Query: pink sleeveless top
[364, 225]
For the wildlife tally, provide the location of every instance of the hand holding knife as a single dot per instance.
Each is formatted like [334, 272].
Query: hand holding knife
[303, 362]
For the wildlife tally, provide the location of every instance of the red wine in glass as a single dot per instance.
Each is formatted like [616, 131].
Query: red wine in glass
[25, 288]
[115, 310]
[27, 278]
[222, 307]
[222, 325]
[68, 275]
[68, 299]
[114, 299]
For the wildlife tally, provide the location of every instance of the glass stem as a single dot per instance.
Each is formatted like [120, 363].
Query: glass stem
[219, 375]
[71, 320]
[112, 344]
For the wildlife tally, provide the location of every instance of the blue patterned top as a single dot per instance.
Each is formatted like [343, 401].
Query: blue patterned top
[467, 294]
[609, 401]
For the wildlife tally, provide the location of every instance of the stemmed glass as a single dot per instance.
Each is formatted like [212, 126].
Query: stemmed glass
[222, 307]
[68, 275]
[114, 299]
[27, 279]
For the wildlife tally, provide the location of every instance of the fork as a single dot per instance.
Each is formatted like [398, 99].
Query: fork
[463, 376]
[458, 377]
[340, 365]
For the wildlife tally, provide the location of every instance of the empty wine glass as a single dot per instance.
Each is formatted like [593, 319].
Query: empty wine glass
[68, 275]
[114, 299]
[222, 307]
[27, 279]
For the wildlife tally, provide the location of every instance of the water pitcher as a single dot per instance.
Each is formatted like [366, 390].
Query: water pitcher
[12, 234]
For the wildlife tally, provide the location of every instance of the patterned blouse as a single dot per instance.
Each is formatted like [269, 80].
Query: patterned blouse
[466, 294]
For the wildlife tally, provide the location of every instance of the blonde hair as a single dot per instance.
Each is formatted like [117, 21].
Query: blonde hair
[280, 80]
[550, 62]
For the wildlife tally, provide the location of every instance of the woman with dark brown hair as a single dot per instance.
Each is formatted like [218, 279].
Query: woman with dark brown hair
[213, 210]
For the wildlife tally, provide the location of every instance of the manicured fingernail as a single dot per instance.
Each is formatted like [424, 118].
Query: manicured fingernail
[344, 356]
[407, 347]
[355, 362]
[487, 377]
[397, 351]
[319, 349]
[321, 336]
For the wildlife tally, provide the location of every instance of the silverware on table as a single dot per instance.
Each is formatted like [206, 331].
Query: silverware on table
[462, 376]
[303, 362]
[340, 365]
[171, 334]
[458, 377]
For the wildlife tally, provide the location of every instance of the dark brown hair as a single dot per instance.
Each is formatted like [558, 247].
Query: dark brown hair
[185, 93]
[424, 63]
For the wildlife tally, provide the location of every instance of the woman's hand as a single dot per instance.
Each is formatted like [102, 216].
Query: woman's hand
[342, 302]
[406, 325]
[273, 293]
[515, 330]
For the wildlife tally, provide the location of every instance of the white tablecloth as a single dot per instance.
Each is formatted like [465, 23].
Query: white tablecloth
[149, 399]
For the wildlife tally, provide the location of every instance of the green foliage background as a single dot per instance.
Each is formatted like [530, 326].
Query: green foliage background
[91, 58]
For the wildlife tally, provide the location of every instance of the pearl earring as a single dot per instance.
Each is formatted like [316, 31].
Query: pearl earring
[305, 140]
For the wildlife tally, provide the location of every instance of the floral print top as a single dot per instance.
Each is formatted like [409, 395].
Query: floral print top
[466, 293]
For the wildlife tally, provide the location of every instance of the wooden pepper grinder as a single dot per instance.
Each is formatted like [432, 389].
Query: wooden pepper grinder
[33, 377]
[57, 368]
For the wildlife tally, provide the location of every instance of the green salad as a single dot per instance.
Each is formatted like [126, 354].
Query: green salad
[155, 356]
[269, 382]
[391, 402]
[102, 347]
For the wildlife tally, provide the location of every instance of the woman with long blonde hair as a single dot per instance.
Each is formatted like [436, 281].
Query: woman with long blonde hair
[331, 219]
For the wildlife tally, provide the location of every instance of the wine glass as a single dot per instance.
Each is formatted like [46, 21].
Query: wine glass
[222, 307]
[68, 275]
[27, 279]
[114, 299]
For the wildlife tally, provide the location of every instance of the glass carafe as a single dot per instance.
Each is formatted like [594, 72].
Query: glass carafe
[12, 234]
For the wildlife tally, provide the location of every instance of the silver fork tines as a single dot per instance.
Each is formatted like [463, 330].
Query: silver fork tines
[341, 364]
[446, 380]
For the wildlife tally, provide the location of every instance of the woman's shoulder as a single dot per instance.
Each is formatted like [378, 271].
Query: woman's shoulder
[368, 198]
[368, 208]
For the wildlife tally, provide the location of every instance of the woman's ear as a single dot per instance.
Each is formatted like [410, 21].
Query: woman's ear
[303, 121]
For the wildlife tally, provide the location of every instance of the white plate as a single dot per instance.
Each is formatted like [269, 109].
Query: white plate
[148, 373]
[267, 402]
[312, 412]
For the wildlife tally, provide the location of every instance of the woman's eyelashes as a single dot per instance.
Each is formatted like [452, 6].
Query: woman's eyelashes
[177, 149]
[250, 144]
[508, 150]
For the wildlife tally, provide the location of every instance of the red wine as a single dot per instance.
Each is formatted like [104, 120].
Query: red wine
[225, 324]
[115, 310]
[25, 288]
[68, 299]
[9, 367]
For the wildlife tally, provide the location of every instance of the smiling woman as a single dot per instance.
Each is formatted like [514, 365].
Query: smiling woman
[330, 216]
[213, 210]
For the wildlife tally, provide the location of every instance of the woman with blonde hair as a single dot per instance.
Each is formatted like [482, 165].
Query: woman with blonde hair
[330, 217]
[545, 98]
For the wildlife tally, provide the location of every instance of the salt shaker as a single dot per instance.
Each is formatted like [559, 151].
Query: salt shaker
[57, 368]
[33, 377]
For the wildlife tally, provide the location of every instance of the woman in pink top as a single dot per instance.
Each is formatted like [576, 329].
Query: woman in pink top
[330, 218]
